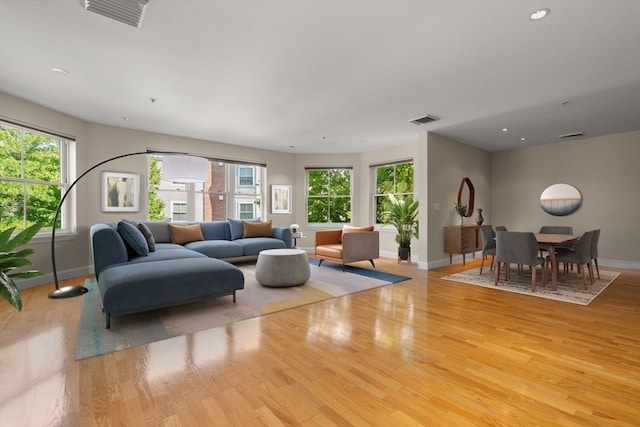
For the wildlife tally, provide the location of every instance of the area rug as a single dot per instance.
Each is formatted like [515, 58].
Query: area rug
[570, 288]
[252, 301]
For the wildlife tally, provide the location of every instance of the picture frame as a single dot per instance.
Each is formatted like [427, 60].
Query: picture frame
[120, 192]
[280, 199]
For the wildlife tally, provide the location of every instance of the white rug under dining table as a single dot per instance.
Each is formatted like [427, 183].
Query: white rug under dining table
[569, 288]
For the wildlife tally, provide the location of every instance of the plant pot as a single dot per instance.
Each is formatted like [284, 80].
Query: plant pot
[403, 253]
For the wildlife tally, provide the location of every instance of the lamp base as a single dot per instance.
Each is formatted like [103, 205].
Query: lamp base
[68, 292]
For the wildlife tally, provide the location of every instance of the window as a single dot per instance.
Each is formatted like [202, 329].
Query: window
[329, 195]
[32, 177]
[245, 176]
[234, 191]
[246, 210]
[178, 211]
[392, 178]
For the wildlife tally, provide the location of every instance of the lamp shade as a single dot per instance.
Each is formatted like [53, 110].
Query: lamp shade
[184, 169]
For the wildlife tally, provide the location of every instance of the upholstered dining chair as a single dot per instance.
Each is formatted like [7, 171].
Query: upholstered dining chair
[580, 255]
[594, 250]
[557, 229]
[518, 248]
[488, 246]
[501, 228]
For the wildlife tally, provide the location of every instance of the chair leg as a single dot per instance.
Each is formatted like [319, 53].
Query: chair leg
[595, 260]
[482, 263]
[497, 275]
[320, 262]
[581, 269]
[371, 261]
[590, 272]
[533, 278]
[493, 262]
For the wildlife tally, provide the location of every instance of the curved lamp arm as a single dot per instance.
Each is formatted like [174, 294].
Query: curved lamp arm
[76, 290]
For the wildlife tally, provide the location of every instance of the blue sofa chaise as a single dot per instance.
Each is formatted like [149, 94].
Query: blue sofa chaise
[139, 267]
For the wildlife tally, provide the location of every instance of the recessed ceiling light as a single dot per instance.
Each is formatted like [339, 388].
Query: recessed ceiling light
[59, 70]
[505, 129]
[523, 139]
[539, 14]
[125, 118]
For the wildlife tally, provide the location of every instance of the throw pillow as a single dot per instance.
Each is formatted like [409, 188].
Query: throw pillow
[133, 238]
[182, 234]
[257, 229]
[148, 235]
[351, 229]
[237, 229]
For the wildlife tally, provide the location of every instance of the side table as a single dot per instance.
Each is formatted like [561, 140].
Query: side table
[295, 237]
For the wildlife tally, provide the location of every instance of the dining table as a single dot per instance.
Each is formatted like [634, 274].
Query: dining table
[549, 242]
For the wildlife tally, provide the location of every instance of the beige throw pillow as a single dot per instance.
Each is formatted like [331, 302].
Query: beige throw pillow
[257, 229]
[182, 234]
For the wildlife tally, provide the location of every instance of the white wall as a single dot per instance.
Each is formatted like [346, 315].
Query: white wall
[448, 162]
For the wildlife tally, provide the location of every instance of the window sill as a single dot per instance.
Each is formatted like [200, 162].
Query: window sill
[60, 236]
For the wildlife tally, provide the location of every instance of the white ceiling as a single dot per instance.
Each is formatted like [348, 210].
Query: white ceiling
[333, 76]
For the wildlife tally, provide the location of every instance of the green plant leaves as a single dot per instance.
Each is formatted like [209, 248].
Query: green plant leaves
[11, 260]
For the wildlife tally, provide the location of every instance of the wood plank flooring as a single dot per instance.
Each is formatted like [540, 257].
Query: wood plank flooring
[422, 352]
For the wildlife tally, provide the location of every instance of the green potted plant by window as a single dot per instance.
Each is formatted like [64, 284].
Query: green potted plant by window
[403, 214]
[10, 259]
[461, 210]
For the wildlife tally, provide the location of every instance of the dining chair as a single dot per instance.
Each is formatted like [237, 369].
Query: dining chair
[580, 255]
[557, 229]
[488, 246]
[594, 250]
[519, 248]
[501, 228]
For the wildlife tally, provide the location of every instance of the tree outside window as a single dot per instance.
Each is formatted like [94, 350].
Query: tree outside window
[396, 179]
[31, 177]
[329, 195]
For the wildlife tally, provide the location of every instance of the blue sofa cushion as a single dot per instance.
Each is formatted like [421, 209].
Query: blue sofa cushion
[237, 229]
[148, 235]
[253, 245]
[159, 229]
[216, 248]
[215, 230]
[133, 238]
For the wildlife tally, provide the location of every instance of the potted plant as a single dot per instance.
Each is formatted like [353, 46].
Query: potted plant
[403, 214]
[461, 210]
[11, 259]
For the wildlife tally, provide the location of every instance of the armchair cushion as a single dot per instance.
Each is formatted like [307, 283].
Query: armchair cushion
[352, 229]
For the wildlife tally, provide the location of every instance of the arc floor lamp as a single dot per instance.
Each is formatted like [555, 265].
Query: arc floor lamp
[176, 167]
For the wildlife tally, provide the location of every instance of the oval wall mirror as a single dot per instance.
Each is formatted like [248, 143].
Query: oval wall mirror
[560, 199]
[470, 193]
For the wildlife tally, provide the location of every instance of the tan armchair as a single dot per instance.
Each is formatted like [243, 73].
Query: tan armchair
[350, 244]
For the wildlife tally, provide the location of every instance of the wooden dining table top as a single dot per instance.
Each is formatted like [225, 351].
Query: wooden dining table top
[555, 239]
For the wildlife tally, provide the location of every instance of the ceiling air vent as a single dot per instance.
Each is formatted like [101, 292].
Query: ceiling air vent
[126, 11]
[571, 135]
[423, 120]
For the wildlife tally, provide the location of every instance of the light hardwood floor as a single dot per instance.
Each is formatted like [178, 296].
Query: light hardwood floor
[421, 352]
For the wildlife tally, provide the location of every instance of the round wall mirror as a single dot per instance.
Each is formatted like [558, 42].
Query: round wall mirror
[560, 199]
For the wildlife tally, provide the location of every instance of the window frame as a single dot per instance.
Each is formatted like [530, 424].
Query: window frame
[307, 196]
[65, 144]
[202, 199]
[374, 177]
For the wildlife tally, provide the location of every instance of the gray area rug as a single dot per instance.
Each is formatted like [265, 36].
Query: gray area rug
[570, 288]
[252, 301]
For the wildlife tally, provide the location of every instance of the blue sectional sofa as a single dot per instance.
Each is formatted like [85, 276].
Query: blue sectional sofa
[140, 267]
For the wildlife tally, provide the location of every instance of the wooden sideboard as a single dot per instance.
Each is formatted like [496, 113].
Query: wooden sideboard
[463, 240]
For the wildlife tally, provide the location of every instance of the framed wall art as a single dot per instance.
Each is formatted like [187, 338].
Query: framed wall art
[120, 192]
[280, 199]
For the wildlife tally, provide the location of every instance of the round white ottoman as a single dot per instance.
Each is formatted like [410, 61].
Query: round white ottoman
[282, 267]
